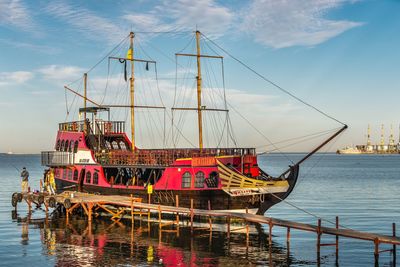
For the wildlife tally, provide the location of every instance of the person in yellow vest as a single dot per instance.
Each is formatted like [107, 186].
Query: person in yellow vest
[51, 182]
[25, 180]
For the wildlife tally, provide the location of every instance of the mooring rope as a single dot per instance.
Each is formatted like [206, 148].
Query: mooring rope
[308, 212]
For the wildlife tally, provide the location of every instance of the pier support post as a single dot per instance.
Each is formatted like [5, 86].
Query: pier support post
[337, 239]
[394, 246]
[228, 221]
[247, 228]
[288, 240]
[191, 215]
[148, 211]
[319, 233]
[159, 216]
[90, 207]
[177, 212]
[376, 252]
[287, 243]
[270, 223]
[66, 217]
[132, 213]
[209, 217]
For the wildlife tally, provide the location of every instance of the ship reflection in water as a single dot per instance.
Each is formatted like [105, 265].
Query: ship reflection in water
[108, 243]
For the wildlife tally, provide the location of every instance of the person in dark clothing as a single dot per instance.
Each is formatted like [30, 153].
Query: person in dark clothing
[25, 180]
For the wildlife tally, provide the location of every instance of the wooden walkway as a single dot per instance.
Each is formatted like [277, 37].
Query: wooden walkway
[119, 206]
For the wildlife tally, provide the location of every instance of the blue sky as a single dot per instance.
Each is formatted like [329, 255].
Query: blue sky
[339, 55]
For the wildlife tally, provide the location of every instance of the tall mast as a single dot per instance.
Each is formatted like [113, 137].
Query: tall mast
[199, 115]
[84, 100]
[130, 57]
[199, 107]
[132, 90]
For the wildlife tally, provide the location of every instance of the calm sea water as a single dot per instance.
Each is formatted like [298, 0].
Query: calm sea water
[362, 190]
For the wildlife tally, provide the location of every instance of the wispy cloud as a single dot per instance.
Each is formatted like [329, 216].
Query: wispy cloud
[280, 24]
[14, 13]
[44, 49]
[85, 21]
[276, 24]
[13, 78]
[60, 73]
[184, 15]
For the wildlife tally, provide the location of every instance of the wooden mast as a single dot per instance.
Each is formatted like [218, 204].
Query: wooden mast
[84, 100]
[199, 107]
[132, 90]
[199, 114]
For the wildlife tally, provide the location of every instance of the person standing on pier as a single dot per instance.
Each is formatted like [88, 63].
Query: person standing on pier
[51, 184]
[52, 181]
[25, 179]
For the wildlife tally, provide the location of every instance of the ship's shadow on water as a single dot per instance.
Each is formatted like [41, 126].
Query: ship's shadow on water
[107, 243]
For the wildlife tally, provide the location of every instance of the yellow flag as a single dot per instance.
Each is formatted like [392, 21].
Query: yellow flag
[130, 52]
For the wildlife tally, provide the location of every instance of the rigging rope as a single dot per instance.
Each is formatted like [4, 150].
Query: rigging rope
[303, 136]
[273, 83]
[66, 101]
[259, 132]
[303, 210]
[308, 212]
[303, 139]
[108, 54]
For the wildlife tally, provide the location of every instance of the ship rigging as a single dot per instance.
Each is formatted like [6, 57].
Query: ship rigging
[95, 154]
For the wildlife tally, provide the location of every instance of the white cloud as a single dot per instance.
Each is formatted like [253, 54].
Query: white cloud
[14, 13]
[277, 24]
[85, 21]
[280, 24]
[61, 73]
[150, 22]
[49, 50]
[17, 77]
[184, 15]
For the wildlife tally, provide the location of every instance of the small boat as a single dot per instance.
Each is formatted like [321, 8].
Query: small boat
[349, 150]
[96, 155]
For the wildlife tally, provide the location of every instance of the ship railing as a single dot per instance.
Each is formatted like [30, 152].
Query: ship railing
[72, 126]
[165, 157]
[57, 158]
[107, 127]
[99, 126]
[205, 152]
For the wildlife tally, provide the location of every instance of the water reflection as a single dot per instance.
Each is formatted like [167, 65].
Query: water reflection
[104, 242]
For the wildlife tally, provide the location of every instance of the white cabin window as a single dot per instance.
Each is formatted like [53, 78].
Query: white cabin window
[199, 181]
[186, 180]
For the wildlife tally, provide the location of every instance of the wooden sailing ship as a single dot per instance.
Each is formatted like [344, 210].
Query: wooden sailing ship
[96, 155]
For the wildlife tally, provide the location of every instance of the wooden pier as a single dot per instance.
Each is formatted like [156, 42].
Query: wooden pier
[119, 207]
